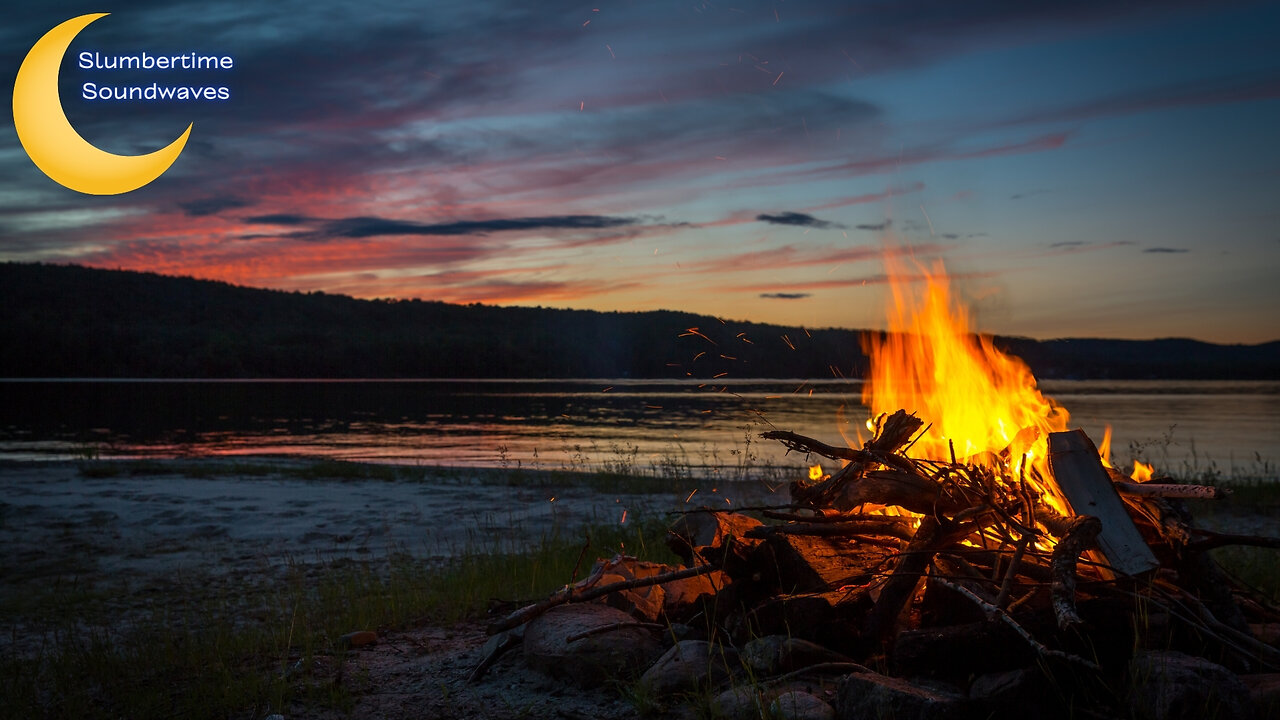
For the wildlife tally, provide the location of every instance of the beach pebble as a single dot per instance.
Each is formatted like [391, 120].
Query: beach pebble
[800, 706]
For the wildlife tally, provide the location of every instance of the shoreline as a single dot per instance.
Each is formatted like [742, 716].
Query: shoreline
[235, 516]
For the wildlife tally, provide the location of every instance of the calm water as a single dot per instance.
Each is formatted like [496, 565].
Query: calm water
[1180, 425]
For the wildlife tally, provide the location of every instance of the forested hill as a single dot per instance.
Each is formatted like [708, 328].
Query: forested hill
[70, 321]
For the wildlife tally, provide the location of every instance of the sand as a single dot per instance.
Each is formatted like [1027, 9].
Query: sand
[55, 520]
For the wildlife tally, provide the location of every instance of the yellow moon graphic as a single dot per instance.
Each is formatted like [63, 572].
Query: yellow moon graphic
[54, 146]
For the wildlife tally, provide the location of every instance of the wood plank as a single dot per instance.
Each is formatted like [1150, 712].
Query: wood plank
[1087, 487]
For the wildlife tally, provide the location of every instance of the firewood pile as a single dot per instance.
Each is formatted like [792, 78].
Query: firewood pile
[903, 587]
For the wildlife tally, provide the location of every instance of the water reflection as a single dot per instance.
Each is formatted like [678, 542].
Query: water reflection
[1183, 426]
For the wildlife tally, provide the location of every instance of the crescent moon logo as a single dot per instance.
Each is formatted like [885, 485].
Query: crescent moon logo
[54, 146]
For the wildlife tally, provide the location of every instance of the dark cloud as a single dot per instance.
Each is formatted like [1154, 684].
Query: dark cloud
[1164, 250]
[797, 219]
[875, 227]
[281, 219]
[362, 227]
[786, 295]
[213, 205]
[367, 226]
[1067, 243]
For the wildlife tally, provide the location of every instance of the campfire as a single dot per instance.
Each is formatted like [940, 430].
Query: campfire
[974, 556]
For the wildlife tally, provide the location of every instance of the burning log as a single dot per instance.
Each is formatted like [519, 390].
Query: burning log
[1083, 480]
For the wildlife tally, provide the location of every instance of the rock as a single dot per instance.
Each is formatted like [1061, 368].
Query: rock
[359, 638]
[681, 597]
[797, 705]
[274, 717]
[687, 666]
[588, 661]
[700, 537]
[1264, 690]
[1169, 685]
[867, 696]
[740, 703]
[776, 654]
[1011, 693]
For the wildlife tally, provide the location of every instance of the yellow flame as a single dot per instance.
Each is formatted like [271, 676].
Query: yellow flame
[978, 400]
[1142, 472]
[815, 472]
[1104, 447]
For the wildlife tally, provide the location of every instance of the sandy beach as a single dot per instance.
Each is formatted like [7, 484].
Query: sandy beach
[56, 520]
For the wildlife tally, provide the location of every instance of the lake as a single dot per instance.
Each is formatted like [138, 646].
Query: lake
[1186, 427]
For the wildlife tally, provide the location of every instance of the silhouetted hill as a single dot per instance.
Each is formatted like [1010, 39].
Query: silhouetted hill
[71, 321]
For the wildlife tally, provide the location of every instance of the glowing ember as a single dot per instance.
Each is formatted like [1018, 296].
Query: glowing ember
[980, 402]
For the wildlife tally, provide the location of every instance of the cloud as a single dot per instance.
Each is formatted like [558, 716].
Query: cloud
[281, 219]
[797, 219]
[876, 279]
[363, 227]
[786, 295]
[369, 226]
[213, 205]
[875, 227]
[1067, 243]
[1164, 250]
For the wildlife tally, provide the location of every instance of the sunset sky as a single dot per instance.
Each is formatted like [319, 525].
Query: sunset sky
[1085, 168]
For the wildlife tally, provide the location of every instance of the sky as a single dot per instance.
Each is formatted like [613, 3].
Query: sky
[1084, 169]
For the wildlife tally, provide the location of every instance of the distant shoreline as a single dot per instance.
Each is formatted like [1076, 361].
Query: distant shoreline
[68, 321]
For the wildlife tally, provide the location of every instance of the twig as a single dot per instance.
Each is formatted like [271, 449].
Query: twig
[1012, 572]
[529, 612]
[996, 612]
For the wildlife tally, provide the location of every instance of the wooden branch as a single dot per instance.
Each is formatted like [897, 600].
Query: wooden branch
[504, 642]
[902, 582]
[566, 595]
[1170, 490]
[995, 612]
[893, 432]
[1216, 539]
[807, 445]
[892, 527]
[907, 490]
[1082, 533]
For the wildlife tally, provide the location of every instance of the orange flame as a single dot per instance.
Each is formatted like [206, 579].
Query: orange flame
[1142, 472]
[978, 401]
